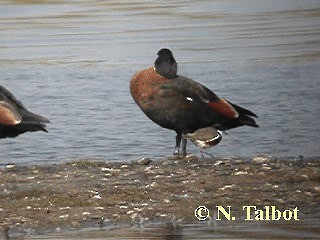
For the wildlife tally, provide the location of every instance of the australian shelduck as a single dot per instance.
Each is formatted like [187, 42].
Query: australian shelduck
[181, 104]
[15, 119]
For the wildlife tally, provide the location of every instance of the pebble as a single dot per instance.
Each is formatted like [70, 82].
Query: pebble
[138, 209]
[144, 161]
[130, 212]
[97, 197]
[133, 216]
[266, 168]
[64, 208]
[317, 188]
[192, 157]
[260, 159]
[226, 187]
[219, 162]
[98, 208]
[241, 173]
[280, 200]
[149, 170]
[104, 169]
[10, 166]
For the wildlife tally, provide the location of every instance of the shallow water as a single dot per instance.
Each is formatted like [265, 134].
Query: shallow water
[307, 229]
[72, 62]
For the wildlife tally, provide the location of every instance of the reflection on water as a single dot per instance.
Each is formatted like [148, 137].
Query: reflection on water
[305, 229]
[72, 61]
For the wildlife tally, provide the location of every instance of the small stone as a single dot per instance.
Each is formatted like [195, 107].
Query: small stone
[153, 184]
[149, 170]
[97, 196]
[280, 200]
[226, 187]
[144, 161]
[219, 162]
[241, 173]
[133, 216]
[64, 216]
[192, 157]
[64, 208]
[266, 168]
[309, 194]
[261, 159]
[98, 208]
[104, 169]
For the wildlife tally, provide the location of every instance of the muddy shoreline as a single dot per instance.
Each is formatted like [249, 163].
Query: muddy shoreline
[85, 193]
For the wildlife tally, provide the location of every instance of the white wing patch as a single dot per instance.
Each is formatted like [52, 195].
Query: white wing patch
[189, 99]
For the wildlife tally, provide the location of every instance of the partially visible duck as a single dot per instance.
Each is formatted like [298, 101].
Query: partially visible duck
[205, 137]
[15, 119]
[182, 104]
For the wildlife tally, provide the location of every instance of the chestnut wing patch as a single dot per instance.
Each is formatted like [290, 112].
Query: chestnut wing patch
[8, 114]
[223, 107]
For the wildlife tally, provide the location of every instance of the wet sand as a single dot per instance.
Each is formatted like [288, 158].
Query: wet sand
[84, 193]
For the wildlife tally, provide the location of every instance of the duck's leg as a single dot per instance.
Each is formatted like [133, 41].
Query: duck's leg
[177, 147]
[184, 147]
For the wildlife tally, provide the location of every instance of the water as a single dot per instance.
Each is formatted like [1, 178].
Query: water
[307, 229]
[72, 61]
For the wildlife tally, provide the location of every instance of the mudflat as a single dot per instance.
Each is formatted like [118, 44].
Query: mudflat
[86, 193]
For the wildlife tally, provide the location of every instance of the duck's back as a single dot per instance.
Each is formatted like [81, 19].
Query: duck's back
[171, 103]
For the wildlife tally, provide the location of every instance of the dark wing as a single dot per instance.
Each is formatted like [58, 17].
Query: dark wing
[26, 115]
[5, 94]
[196, 91]
[243, 110]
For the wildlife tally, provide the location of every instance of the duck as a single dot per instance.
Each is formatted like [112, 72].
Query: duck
[15, 119]
[182, 104]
